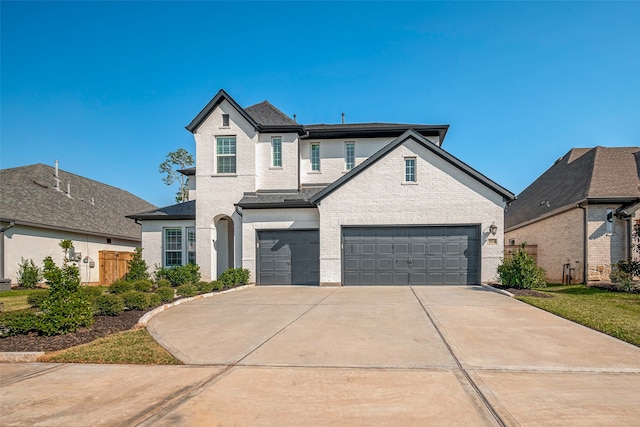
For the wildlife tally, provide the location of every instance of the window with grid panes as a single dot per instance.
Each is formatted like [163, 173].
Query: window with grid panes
[276, 152]
[226, 154]
[172, 247]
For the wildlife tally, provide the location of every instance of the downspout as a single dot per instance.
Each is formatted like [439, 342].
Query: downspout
[2, 230]
[585, 248]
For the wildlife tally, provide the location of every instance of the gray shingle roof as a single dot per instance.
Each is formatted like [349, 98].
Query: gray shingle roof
[28, 196]
[583, 174]
[267, 115]
[186, 210]
[273, 199]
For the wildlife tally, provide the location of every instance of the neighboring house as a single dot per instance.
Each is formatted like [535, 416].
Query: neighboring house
[340, 204]
[580, 213]
[41, 205]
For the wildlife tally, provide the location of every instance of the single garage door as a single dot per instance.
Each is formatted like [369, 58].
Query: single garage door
[288, 257]
[416, 255]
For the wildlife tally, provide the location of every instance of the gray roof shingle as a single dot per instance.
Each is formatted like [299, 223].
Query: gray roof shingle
[186, 210]
[273, 199]
[583, 174]
[28, 196]
[267, 115]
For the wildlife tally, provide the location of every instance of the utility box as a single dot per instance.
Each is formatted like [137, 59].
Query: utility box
[5, 284]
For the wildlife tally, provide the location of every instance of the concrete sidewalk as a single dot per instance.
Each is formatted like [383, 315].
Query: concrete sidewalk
[346, 356]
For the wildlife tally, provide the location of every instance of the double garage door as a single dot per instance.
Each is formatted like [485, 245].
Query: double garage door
[416, 255]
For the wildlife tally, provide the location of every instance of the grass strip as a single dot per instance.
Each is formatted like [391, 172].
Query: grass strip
[15, 300]
[130, 347]
[613, 313]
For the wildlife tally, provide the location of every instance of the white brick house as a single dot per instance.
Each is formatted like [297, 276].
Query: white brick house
[345, 204]
[580, 213]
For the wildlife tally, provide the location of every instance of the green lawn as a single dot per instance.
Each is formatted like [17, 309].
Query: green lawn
[16, 299]
[613, 313]
[129, 347]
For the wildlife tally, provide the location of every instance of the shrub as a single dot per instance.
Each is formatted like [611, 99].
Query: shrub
[166, 294]
[521, 272]
[137, 267]
[142, 285]
[204, 287]
[163, 283]
[109, 305]
[154, 299]
[65, 312]
[234, 277]
[18, 322]
[120, 287]
[135, 300]
[66, 308]
[179, 275]
[217, 285]
[28, 274]
[36, 299]
[91, 292]
[187, 290]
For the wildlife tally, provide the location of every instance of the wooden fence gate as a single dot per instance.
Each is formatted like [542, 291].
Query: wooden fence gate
[113, 266]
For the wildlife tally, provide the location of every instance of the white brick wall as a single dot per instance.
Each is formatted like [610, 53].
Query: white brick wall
[219, 193]
[332, 157]
[273, 178]
[443, 195]
[152, 239]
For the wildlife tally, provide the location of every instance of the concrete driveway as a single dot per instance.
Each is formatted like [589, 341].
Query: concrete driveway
[346, 356]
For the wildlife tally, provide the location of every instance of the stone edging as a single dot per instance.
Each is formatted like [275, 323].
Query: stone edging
[500, 291]
[32, 356]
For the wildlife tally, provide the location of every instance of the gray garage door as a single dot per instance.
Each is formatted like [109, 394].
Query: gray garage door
[410, 255]
[288, 257]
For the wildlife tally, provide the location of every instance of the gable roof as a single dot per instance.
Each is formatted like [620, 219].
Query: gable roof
[263, 116]
[28, 196]
[415, 136]
[186, 210]
[599, 174]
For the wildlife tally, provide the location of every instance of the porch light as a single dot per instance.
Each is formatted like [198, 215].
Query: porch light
[493, 228]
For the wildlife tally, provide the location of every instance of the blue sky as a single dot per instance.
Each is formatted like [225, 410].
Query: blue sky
[108, 87]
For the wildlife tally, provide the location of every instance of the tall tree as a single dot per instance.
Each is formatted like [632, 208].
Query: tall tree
[179, 159]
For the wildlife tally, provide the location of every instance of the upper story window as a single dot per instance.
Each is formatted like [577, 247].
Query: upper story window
[276, 152]
[226, 154]
[225, 120]
[349, 155]
[410, 169]
[315, 157]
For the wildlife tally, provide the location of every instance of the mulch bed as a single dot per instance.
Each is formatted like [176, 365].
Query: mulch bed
[521, 292]
[103, 325]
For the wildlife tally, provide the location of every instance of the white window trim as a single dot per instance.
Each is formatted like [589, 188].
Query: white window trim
[319, 170]
[184, 244]
[346, 166]
[222, 125]
[415, 171]
[217, 156]
[273, 158]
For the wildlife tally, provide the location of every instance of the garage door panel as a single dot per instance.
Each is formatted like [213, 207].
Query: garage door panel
[287, 257]
[414, 254]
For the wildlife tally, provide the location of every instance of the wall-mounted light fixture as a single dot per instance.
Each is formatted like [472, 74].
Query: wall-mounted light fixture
[493, 228]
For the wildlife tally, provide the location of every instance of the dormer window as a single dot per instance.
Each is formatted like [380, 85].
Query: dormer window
[225, 120]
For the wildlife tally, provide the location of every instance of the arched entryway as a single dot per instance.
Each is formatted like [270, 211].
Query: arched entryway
[224, 243]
